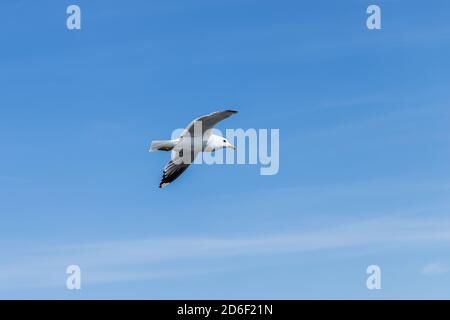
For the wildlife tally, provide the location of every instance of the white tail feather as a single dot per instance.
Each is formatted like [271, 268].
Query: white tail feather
[163, 145]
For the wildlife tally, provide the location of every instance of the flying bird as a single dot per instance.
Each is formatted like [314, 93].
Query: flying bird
[197, 137]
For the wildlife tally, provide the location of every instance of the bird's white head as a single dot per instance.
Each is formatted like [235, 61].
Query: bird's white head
[227, 144]
[218, 142]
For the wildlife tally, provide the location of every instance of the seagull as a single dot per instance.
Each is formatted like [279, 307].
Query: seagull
[197, 137]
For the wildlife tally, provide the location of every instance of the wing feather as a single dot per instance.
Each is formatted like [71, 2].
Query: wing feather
[175, 167]
[172, 171]
[207, 122]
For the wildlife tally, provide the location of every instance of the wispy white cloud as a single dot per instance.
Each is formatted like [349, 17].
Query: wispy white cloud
[434, 268]
[174, 256]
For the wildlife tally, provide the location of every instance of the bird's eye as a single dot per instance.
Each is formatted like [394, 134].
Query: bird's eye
[224, 141]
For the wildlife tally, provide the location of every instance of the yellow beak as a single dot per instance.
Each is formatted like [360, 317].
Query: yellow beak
[229, 145]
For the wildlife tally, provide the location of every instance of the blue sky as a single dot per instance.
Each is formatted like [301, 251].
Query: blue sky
[364, 149]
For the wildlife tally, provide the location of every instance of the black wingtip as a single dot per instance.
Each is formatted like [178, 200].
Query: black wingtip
[232, 111]
[162, 185]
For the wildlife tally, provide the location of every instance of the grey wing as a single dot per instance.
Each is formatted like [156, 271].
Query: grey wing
[207, 122]
[172, 170]
[175, 167]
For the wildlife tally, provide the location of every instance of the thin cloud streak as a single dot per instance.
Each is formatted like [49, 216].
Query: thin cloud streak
[434, 269]
[144, 259]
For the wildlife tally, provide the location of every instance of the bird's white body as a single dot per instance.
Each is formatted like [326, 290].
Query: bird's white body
[201, 144]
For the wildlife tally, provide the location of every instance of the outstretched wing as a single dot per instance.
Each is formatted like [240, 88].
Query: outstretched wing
[171, 172]
[175, 167]
[207, 122]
